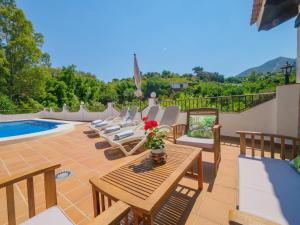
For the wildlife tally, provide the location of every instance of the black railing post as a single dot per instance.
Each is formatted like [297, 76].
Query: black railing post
[221, 101]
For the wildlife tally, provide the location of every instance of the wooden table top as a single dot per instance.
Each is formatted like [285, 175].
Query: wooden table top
[142, 184]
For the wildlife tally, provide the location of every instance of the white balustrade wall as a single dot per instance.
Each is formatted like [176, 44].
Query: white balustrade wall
[280, 115]
[65, 114]
[81, 115]
[27, 116]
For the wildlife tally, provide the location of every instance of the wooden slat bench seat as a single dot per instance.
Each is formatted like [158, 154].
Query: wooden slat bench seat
[268, 187]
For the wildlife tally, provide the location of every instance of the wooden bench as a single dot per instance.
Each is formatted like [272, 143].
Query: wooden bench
[112, 216]
[268, 188]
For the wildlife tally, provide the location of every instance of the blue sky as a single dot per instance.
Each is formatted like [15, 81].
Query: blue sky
[100, 36]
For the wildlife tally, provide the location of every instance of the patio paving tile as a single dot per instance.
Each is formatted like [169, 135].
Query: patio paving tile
[86, 205]
[75, 214]
[89, 156]
[63, 202]
[79, 193]
[214, 210]
[196, 220]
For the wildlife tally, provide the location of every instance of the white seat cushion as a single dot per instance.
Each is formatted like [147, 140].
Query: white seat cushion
[51, 216]
[195, 142]
[269, 188]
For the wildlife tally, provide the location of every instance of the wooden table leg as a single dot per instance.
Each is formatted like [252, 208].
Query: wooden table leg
[200, 172]
[135, 219]
[96, 202]
[148, 220]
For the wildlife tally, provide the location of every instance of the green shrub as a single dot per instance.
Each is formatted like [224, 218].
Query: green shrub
[7, 106]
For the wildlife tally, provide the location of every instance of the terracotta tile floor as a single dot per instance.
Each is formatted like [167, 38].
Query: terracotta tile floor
[86, 155]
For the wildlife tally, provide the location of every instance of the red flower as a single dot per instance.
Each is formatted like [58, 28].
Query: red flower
[145, 118]
[147, 125]
[154, 123]
[150, 124]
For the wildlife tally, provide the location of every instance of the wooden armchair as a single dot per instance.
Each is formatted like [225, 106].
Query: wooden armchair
[210, 145]
[53, 213]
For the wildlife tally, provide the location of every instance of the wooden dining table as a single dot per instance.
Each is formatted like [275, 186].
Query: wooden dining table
[144, 185]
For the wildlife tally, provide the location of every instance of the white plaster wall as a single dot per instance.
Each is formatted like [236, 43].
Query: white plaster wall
[260, 118]
[288, 109]
[19, 116]
[81, 115]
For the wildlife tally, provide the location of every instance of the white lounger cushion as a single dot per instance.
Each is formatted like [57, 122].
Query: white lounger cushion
[51, 216]
[101, 124]
[96, 121]
[123, 134]
[269, 188]
[195, 142]
[112, 129]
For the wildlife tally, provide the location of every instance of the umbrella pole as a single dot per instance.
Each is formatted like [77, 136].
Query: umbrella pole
[141, 108]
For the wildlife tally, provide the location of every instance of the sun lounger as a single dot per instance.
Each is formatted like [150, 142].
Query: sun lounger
[121, 116]
[125, 137]
[137, 133]
[170, 115]
[152, 113]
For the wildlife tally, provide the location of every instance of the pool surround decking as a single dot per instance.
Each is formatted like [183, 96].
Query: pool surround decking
[86, 155]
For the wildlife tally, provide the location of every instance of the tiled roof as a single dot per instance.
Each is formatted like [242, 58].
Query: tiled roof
[257, 4]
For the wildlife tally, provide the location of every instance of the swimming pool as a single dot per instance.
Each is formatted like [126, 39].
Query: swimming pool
[24, 127]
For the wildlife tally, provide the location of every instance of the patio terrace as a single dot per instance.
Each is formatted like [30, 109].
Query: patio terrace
[86, 156]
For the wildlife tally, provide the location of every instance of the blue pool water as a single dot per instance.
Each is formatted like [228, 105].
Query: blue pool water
[15, 128]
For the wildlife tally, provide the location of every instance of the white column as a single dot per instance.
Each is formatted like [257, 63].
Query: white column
[152, 102]
[298, 56]
[298, 52]
[82, 111]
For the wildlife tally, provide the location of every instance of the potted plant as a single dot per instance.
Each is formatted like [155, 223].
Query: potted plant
[155, 136]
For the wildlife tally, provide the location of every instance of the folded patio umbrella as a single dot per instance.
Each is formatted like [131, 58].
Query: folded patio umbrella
[137, 78]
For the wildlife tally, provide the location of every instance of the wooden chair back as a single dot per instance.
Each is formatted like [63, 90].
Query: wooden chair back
[50, 189]
[272, 139]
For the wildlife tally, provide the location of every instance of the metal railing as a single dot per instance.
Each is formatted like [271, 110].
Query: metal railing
[139, 103]
[233, 103]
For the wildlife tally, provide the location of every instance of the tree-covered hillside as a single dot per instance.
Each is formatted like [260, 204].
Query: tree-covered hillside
[29, 82]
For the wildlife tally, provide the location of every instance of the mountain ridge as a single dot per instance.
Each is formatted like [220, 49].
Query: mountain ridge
[270, 66]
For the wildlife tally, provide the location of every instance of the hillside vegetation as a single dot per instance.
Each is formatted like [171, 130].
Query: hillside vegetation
[28, 82]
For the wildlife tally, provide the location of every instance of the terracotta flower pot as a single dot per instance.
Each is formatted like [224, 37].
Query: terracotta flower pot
[158, 151]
